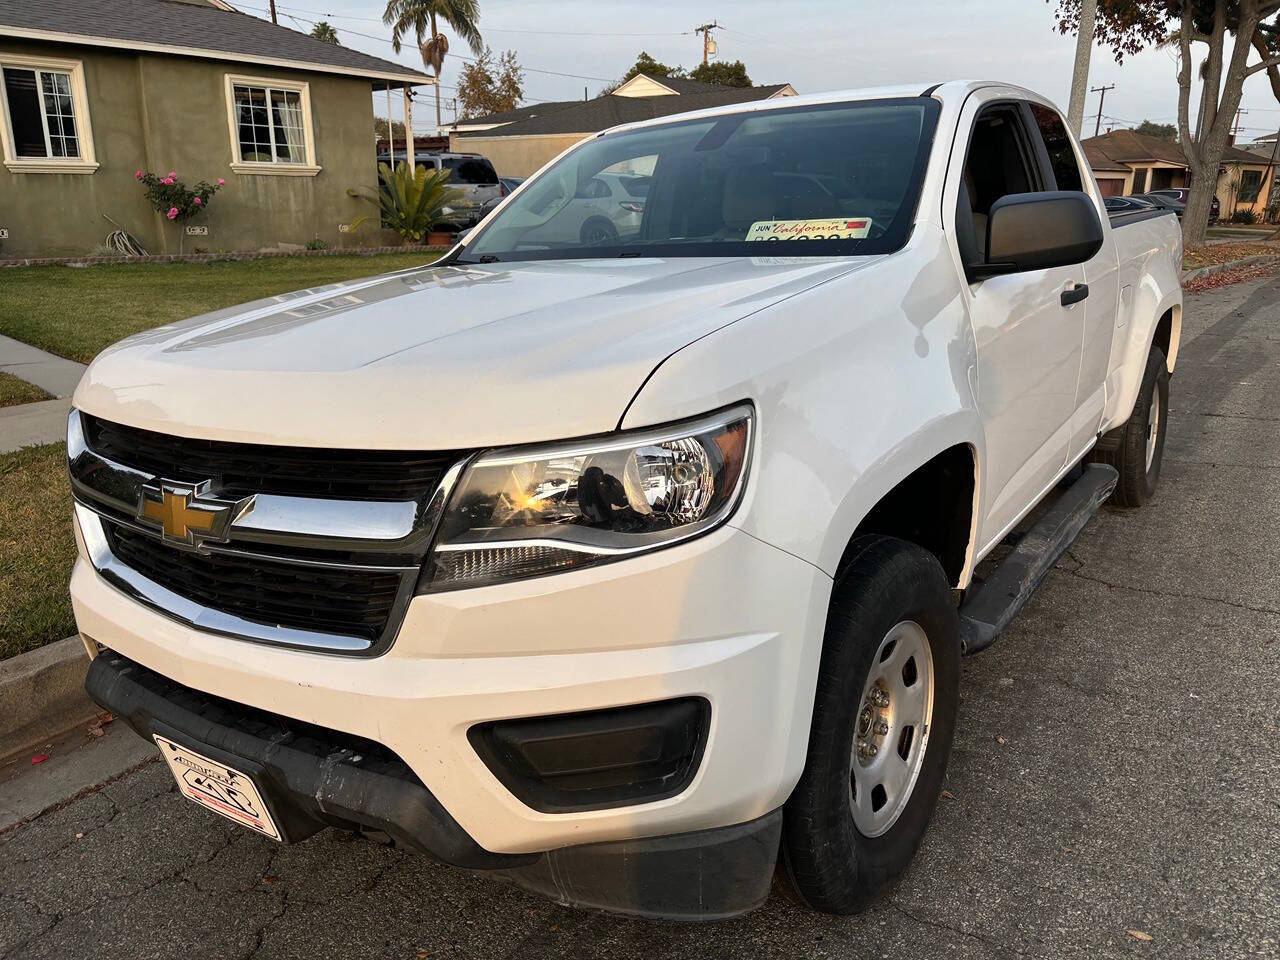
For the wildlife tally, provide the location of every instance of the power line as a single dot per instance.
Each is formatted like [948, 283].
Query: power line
[369, 36]
[548, 33]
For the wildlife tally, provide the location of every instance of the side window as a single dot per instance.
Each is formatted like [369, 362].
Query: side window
[999, 162]
[593, 189]
[1058, 144]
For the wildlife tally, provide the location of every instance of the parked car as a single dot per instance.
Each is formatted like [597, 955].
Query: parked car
[471, 173]
[633, 567]
[1183, 194]
[509, 184]
[1162, 202]
[1127, 204]
[604, 209]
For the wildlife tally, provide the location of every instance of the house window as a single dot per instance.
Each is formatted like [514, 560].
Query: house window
[45, 116]
[270, 125]
[1250, 186]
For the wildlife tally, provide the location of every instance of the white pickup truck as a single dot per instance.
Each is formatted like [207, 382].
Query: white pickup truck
[629, 563]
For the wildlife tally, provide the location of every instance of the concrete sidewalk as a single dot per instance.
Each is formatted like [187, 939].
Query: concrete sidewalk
[30, 423]
[54, 375]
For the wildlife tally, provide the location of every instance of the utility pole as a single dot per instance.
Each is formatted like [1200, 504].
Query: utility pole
[1080, 72]
[1235, 129]
[1097, 126]
[708, 44]
[272, 5]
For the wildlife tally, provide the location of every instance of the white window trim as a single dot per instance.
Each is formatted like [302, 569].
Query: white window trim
[262, 167]
[87, 161]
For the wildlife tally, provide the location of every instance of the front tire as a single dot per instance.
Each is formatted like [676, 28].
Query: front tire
[1137, 449]
[883, 719]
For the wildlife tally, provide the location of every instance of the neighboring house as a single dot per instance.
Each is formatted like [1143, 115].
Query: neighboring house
[94, 90]
[520, 141]
[1126, 163]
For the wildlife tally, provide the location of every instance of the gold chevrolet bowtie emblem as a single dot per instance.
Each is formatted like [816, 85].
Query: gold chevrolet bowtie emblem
[188, 514]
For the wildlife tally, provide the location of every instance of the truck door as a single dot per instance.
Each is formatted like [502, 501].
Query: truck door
[1101, 308]
[1028, 340]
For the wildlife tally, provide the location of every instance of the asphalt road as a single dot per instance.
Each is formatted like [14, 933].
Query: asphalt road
[1115, 770]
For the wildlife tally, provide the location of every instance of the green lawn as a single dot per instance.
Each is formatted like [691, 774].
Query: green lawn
[14, 391]
[37, 549]
[75, 312]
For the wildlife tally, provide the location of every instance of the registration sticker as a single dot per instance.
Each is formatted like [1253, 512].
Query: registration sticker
[217, 787]
[841, 228]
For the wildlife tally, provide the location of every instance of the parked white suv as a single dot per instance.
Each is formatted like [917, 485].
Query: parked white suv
[630, 568]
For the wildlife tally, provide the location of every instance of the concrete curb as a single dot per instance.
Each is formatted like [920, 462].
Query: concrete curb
[42, 694]
[1211, 269]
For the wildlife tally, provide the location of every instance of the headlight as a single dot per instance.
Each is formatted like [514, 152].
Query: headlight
[522, 513]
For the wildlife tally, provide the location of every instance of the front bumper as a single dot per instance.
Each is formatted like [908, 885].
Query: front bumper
[726, 618]
[313, 778]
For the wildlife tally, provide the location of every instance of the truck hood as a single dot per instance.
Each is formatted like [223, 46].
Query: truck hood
[437, 357]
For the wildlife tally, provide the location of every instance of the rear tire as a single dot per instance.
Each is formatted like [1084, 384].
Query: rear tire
[1137, 449]
[892, 630]
[598, 232]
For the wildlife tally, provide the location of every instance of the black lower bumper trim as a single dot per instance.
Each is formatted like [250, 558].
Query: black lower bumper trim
[312, 777]
[704, 875]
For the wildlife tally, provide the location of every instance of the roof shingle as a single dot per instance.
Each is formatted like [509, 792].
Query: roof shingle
[188, 27]
[1121, 147]
[591, 116]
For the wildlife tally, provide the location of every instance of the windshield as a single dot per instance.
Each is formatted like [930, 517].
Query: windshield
[830, 180]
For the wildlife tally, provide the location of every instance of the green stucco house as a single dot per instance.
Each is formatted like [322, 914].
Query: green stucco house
[92, 91]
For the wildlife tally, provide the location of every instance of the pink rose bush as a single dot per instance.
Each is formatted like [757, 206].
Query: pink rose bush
[173, 198]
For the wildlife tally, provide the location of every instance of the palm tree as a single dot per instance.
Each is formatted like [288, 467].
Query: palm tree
[322, 31]
[419, 18]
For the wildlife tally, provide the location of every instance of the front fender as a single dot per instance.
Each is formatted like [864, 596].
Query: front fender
[856, 382]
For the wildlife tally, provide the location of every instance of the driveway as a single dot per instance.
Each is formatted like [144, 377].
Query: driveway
[1115, 770]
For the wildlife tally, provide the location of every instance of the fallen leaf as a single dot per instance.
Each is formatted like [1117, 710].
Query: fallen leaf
[40, 758]
[96, 732]
[1001, 740]
[79, 836]
[270, 878]
[1139, 935]
[947, 795]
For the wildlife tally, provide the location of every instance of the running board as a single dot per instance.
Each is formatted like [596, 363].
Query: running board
[993, 604]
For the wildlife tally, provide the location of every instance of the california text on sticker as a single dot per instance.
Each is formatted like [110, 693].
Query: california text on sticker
[831, 229]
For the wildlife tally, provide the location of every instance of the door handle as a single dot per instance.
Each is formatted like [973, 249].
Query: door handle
[1075, 294]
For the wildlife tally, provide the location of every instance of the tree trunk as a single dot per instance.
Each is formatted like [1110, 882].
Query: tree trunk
[434, 33]
[1195, 219]
[1223, 87]
[1080, 73]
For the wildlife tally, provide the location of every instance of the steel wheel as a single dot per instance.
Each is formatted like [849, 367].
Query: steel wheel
[892, 729]
[1153, 427]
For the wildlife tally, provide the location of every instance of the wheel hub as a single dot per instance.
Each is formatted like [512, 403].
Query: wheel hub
[892, 729]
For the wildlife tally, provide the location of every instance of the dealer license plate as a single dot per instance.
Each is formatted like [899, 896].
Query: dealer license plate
[217, 787]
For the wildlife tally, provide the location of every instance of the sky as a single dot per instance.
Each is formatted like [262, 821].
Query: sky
[816, 45]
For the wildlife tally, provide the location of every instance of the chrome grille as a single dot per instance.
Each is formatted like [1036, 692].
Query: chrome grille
[330, 571]
[321, 597]
[239, 469]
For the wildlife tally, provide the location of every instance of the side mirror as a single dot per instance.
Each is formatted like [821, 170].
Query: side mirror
[1036, 231]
